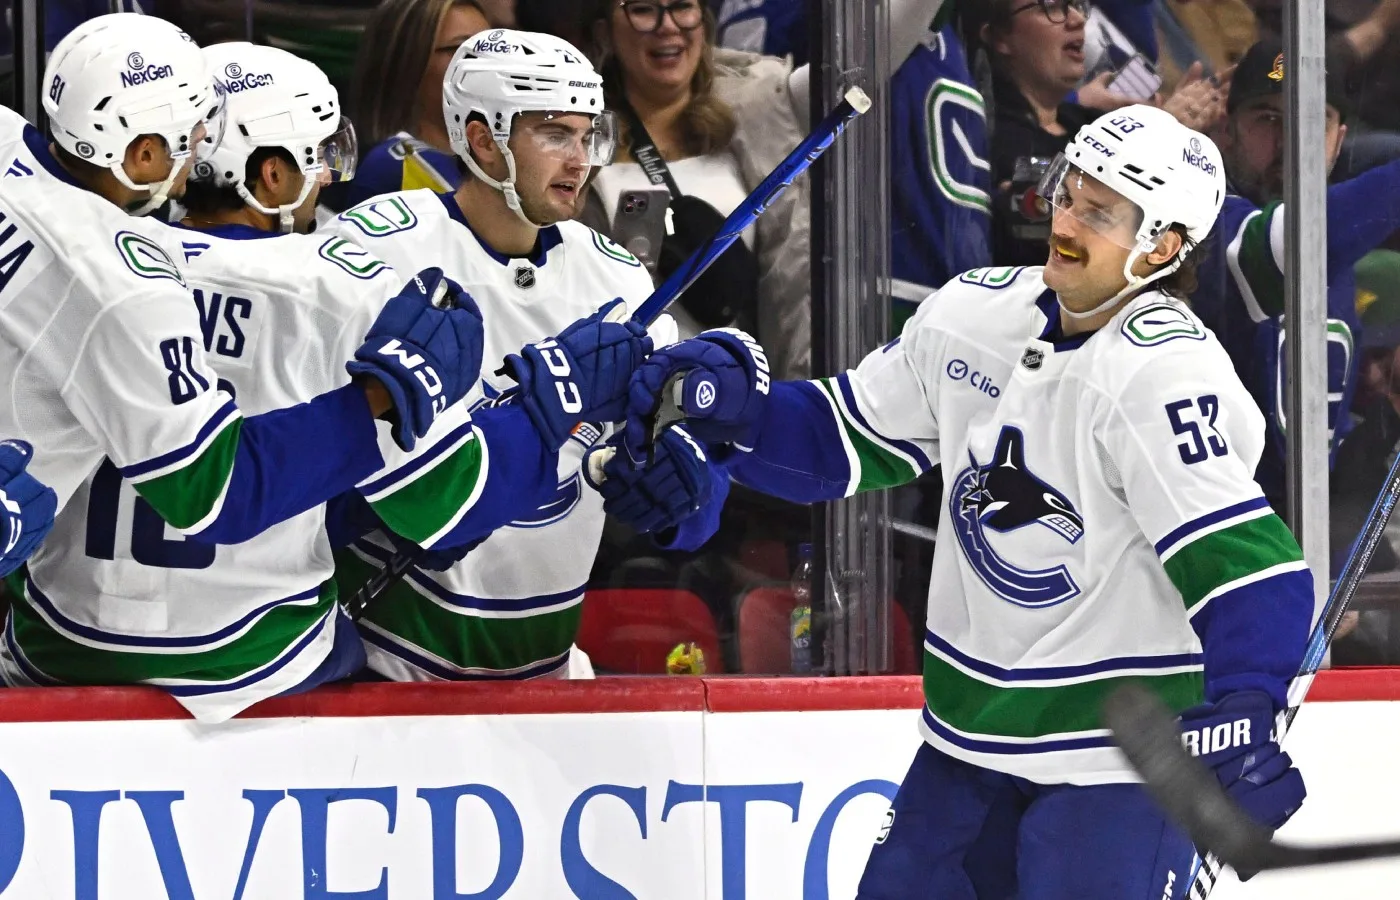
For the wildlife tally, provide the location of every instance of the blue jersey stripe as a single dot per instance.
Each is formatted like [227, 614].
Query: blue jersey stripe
[129, 640]
[204, 690]
[920, 458]
[216, 421]
[1178, 535]
[417, 463]
[992, 746]
[537, 670]
[466, 601]
[1103, 666]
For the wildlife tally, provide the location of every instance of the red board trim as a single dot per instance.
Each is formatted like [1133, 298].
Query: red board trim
[604, 695]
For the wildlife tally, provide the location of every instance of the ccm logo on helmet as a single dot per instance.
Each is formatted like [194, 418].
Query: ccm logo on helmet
[1195, 157]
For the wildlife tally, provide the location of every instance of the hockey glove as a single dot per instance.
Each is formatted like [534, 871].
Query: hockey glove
[1234, 737]
[724, 388]
[26, 506]
[581, 375]
[427, 356]
[653, 497]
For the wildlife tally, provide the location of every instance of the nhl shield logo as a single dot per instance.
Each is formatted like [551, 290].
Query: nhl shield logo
[1032, 358]
[525, 277]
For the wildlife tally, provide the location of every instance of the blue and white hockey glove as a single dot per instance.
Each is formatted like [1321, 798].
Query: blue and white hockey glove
[581, 375]
[26, 506]
[654, 497]
[1235, 738]
[425, 348]
[724, 385]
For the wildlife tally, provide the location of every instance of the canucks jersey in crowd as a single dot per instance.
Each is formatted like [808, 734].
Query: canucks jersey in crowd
[511, 607]
[1101, 519]
[398, 163]
[940, 173]
[1241, 296]
[940, 176]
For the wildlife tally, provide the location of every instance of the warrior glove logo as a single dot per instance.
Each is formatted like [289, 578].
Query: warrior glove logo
[1002, 497]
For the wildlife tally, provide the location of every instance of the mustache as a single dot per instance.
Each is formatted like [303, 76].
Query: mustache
[1069, 248]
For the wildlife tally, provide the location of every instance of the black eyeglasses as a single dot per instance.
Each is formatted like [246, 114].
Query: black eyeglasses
[1057, 11]
[645, 16]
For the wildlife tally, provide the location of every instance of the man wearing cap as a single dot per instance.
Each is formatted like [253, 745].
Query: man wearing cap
[1241, 291]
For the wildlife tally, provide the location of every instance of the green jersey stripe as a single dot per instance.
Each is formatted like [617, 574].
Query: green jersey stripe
[191, 496]
[975, 707]
[879, 465]
[71, 662]
[462, 641]
[423, 509]
[1257, 263]
[1230, 556]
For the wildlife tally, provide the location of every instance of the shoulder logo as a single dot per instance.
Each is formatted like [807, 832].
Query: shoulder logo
[351, 258]
[380, 217]
[1160, 323]
[614, 251]
[994, 278]
[145, 257]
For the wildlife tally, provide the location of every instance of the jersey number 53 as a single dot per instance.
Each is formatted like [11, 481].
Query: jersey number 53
[1198, 446]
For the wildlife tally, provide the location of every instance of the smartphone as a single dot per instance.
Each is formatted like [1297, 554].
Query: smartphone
[1136, 80]
[640, 223]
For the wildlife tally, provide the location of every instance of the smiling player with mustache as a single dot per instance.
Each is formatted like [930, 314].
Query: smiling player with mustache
[1101, 523]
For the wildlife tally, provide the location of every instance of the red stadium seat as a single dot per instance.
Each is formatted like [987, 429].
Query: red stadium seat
[631, 630]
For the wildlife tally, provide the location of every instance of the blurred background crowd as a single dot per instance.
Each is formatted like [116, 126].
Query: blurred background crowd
[982, 95]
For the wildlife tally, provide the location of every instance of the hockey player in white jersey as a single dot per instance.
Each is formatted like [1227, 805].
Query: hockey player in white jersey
[278, 313]
[105, 358]
[1100, 523]
[525, 114]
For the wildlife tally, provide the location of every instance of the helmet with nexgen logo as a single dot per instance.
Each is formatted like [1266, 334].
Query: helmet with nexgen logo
[1174, 175]
[500, 74]
[276, 99]
[120, 76]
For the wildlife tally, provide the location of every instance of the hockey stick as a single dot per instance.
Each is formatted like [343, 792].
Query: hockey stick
[855, 104]
[1150, 737]
[1207, 870]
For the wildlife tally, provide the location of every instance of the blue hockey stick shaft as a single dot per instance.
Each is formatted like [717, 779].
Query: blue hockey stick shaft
[746, 213]
[1206, 871]
[855, 104]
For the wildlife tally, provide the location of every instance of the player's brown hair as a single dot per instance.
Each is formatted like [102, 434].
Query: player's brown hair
[394, 52]
[707, 124]
[1182, 283]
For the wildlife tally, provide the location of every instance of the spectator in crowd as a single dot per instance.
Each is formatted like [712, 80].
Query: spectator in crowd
[770, 27]
[1036, 52]
[1212, 33]
[1241, 291]
[720, 121]
[1362, 40]
[397, 97]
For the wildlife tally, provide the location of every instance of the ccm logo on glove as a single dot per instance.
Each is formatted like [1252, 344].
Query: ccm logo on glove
[424, 373]
[557, 362]
[1213, 739]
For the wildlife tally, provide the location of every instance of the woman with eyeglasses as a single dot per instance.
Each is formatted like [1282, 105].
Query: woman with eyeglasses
[720, 120]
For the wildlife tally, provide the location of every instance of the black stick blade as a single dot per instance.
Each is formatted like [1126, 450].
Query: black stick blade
[1187, 791]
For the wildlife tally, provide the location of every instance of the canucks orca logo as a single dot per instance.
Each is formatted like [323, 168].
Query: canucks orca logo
[1003, 496]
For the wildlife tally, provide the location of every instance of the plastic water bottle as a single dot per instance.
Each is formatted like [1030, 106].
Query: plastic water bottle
[800, 623]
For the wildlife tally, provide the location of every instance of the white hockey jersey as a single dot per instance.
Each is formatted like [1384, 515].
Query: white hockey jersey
[1099, 502]
[119, 598]
[511, 607]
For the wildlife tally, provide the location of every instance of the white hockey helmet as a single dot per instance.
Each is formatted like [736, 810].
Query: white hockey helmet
[120, 76]
[1172, 174]
[501, 74]
[276, 99]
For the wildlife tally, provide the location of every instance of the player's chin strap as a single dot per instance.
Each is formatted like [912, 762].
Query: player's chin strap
[506, 187]
[159, 192]
[1135, 283]
[283, 212]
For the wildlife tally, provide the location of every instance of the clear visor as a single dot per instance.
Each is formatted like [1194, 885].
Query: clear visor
[215, 118]
[340, 152]
[1091, 203]
[558, 135]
